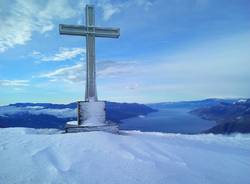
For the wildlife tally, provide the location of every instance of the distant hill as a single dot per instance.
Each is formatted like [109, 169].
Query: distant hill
[47, 115]
[230, 117]
[192, 104]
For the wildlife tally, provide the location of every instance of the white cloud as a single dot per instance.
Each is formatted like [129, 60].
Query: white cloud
[20, 19]
[62, 55]
[109, 8]
[133, 86]
[14, 83]
[76, 73]
[60, 113]
[113, 68]
[69, 74]
[145, 3]
[37, 110]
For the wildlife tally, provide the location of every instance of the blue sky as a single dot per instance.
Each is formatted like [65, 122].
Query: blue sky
[169, 50]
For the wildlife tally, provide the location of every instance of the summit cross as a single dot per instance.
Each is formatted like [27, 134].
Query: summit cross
[90, 31]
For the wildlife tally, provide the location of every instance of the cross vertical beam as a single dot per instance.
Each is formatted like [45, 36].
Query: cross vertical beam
[90, 90]
[90, 31]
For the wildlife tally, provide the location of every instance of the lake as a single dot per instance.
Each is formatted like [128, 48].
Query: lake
[174, 120]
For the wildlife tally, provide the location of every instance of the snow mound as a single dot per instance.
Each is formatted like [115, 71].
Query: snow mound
[47, 156]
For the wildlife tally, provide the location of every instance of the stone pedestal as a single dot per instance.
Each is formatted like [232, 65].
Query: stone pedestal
[91, 113]
[73, 127]
[91, 116]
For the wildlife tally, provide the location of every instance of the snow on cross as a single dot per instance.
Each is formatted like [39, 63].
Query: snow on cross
[91, 112]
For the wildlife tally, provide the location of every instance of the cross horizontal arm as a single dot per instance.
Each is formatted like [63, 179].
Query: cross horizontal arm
[107, 32]
[79, 30]
[76, 30]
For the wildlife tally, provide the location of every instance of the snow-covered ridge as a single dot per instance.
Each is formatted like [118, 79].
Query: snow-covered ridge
[47, 156]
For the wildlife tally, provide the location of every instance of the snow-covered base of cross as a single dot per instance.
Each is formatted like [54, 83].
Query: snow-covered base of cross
[91, 117]
[91, 113]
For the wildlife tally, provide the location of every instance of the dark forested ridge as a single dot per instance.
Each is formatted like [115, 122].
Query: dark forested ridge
[230, 117]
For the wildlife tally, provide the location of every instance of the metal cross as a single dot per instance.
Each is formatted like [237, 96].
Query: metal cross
[90, 31]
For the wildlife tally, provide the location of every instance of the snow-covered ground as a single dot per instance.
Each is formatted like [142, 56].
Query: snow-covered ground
[47, 156]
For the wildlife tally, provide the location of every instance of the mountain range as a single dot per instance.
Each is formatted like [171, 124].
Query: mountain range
[193, 104]
[230, 117]
[47, 115]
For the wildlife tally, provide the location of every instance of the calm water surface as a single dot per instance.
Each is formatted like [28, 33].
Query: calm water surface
[168, 120]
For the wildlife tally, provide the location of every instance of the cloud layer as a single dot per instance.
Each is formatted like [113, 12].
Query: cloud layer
[69, 74]
[110, 8]
[14, 83]
[19, 19]
[76, 73]
[62, 55]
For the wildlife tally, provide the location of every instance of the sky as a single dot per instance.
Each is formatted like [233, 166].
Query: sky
[168, 50]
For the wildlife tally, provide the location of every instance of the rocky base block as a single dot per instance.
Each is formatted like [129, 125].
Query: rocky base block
[73, 127]
[91, 113]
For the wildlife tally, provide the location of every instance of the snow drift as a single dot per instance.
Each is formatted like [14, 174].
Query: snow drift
[47, 156]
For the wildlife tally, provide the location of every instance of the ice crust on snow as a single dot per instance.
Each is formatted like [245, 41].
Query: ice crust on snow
[47, 156]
